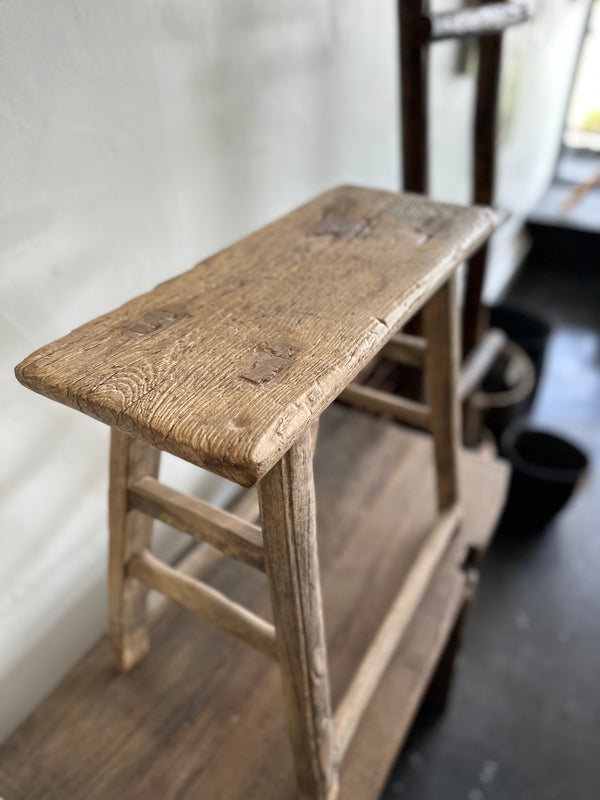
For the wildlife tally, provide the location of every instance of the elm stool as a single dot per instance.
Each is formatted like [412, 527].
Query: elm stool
[229, 367]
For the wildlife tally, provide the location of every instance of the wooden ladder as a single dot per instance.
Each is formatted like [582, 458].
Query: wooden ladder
[419, 29]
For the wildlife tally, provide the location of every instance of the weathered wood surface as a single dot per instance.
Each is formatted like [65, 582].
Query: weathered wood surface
[226, 532]
[287, 509]
[206, 602]
[130, 532]
[392, 629]
[441, 329]
[489, 18]
[202, 715]
[225, 365]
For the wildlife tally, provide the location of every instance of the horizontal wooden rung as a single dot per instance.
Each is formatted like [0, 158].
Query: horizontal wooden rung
[204, 601]
[481, 21]
[479, 361]
[389, 405]
[406, 349]
[391, 631]
[231, 535]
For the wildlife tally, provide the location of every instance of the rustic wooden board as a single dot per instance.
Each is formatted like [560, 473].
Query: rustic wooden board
[202, 715]
[225, 365]
[488, 19]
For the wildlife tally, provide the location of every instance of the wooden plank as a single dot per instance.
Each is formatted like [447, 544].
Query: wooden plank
[414, 73]
[391, 712]
[225, 365]
[399, 409]
[406, 349]
[475, 316]
[204, 601]
[487, 19]
[199, 559]
[392, 629]
[201, 701]
[441, 328]
[287, 509]
[229, 534]
[129, 533]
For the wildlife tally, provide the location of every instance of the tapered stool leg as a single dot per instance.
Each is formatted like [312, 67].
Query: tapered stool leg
[441, 329]
[130, 534]
[287, 506]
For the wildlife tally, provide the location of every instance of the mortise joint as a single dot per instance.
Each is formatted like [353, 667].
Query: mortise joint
[267, 362]
[155, 320]
[338, 221]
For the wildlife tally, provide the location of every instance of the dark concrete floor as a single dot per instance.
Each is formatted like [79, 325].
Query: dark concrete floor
[523, 721]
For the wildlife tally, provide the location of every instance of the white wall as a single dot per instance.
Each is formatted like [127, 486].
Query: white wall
[136, 138]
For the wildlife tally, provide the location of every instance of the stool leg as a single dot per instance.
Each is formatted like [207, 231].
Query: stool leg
[130, 533]
[441, 329]
[287, 507]
[314, 435]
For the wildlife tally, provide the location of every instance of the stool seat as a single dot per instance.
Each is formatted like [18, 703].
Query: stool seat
[226, 364]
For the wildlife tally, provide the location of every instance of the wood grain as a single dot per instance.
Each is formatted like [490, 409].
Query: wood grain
[391, 631]
[130, 533]
[287, 508]
[441, 329]
[225, 365]
[228, 533]
[204, 601]
[201, 701]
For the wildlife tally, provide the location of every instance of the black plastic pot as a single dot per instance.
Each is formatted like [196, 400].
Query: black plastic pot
[528, 331]
[545, 471]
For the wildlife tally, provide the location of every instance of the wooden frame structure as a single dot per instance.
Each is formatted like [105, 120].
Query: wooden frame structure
[114, 369]
[419, 29]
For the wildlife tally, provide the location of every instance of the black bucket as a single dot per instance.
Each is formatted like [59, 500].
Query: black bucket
[529, 332]
[545, 471]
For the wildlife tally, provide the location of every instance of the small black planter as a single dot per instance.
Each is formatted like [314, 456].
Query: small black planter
[546, 470]
[529, 332]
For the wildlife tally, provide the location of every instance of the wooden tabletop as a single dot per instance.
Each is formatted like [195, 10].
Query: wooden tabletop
[225, 365]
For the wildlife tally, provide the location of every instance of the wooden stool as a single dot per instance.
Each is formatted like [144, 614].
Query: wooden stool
[229, 366]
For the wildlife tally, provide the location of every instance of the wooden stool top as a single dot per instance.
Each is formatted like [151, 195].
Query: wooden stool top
[226, 364]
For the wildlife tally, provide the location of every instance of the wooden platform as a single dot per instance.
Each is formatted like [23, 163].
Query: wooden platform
[225, 365]
[201, 718]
